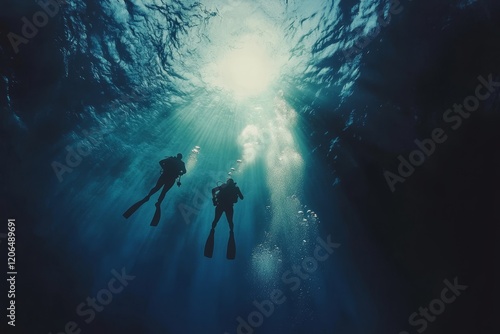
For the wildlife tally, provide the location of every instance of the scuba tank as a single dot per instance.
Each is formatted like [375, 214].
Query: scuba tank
[226, 195]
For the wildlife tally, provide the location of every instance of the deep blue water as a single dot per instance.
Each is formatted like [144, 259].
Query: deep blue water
[305, 104]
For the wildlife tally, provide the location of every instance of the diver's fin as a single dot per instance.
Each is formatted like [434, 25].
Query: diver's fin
[231, 247]
[134, 208]
[156, 217]
[209, 245]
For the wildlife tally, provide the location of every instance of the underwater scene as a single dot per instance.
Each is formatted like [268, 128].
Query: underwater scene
[239, 167]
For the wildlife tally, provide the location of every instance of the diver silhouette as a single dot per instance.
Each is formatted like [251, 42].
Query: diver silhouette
[172, 168]
[223, 198]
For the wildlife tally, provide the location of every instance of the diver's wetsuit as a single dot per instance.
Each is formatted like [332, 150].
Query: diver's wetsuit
[172, 168]
[225, 205]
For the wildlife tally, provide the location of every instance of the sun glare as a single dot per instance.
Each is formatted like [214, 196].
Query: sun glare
[247, 53]
[247, 70]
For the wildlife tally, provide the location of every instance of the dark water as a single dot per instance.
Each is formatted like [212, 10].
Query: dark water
[307, 105]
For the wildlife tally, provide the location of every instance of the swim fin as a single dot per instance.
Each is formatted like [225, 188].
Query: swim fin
[134, 208]
[209, 245]
[156, 217]
[231, 247]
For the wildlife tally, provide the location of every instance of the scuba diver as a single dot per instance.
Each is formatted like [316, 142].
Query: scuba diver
[172, 168]
[223, 198]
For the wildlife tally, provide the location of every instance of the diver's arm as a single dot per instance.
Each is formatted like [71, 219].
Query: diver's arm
[183, 169]
[162, 163]
[240, 195]
[214, 200]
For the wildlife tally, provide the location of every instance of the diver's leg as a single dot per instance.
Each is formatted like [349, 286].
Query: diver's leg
[166, 188]
[218, 214]
[159, 184]
[229, 215]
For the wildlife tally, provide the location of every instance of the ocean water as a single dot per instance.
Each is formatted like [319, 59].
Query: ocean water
[305, 104]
